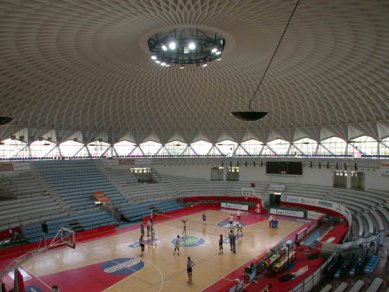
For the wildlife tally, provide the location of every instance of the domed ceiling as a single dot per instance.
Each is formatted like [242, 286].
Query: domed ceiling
[84, 67]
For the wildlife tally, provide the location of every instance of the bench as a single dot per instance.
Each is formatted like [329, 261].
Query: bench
[360, 225]
[375, 285]
[326, 288]
[369, 223]
[378, 218]
[341, 287]
[357, 286]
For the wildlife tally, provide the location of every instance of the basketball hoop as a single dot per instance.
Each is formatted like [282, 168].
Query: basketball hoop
[64, 236]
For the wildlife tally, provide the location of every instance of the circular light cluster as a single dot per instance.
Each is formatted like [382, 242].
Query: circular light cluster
[186, 46]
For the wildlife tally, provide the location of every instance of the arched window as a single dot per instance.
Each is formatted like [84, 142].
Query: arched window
[150, 148]
[11, 148]
[201, 147]
[279, 146]
[42, 148]
[98, 148]
[124, 148]
[227, 147]
[306, 146]
[335, 145]
[253, 147]
[71, 148]
[365, 144]
[384, 146]
[175, 147]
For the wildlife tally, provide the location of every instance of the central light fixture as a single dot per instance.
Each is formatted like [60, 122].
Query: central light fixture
[186, 46]
[251, 115]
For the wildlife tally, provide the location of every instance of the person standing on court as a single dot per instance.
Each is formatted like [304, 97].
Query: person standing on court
[189, 269]
[204, 218]
[239, 228]
[148, 227]
[221, 244]
[142, 244]
[177, 245]
[270, 220]
[238, 216]
[233, 243]
[231, 219]
[142, 229]
[153, 237]
[230, 238]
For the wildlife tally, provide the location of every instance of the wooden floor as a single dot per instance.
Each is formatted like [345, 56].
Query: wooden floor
[162, 270]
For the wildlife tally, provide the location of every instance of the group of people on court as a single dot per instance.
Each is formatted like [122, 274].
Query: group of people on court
[150, 232]
[190, 264]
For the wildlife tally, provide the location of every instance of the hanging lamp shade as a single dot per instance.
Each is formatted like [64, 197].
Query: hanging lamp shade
[250, 116]
[5, 120]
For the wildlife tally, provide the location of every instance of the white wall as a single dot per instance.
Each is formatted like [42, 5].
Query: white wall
[374, 180]
[312, 176]
[191, 171]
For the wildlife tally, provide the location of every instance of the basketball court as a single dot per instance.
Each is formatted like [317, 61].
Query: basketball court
[115, 262]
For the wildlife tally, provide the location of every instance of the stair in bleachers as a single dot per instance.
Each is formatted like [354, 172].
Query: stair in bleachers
[75, 225]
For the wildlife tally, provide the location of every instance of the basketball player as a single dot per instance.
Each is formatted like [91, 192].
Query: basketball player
[153, 237]
[184, 231]
[204, 218]
[177, 246]
[230, 238]
[142, 229]
[231, 219]
[142, 244]
[221, 244]
[189, 265]
[239, 227]
[149, 225]
[270, 220]
[238, 215]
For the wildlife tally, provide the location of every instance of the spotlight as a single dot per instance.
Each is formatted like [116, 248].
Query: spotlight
[164, 48]
[218, 53]
[204, 65]
[154, 57]
[214, 50]
[182, 67]
[172, 45]
[218, 59]
[163, 64]
[158, 62]
[192, 46]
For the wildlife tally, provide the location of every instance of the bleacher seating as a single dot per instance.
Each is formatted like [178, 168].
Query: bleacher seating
[371, 264]
[33, 202]
[75, 181]
[377, 282]
[369, 222]
[326, 288]
[342, 286]
[357, 286]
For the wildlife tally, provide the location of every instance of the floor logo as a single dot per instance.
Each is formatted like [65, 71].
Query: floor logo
[33, 288]
[226, 223]
[189, 241]
[122, 266]
[136, 244]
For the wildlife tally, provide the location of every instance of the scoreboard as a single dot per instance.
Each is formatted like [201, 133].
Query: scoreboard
[280, 167]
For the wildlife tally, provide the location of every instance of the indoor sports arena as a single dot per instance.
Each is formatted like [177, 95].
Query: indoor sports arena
[194, 145]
